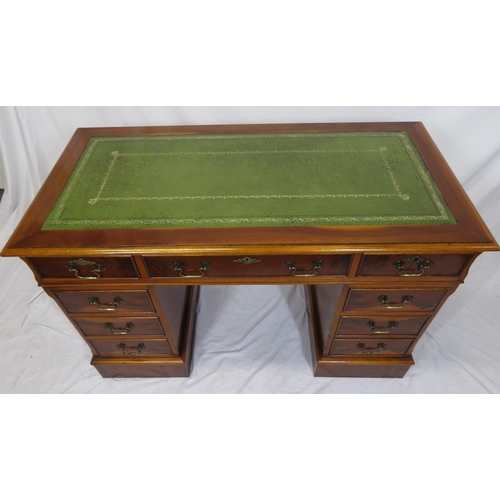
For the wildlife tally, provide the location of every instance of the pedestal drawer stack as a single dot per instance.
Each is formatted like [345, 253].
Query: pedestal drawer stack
[120, 315]
[381, 314]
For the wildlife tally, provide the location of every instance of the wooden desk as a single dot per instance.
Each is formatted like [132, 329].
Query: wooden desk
[368, 217]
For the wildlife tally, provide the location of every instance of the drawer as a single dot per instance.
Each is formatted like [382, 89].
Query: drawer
[393, 299]
[102, 302]
[121, 326]
[370, 347]
[132, 348]
[78, 268]
[413, 266]
[376, 326]
[256, 265]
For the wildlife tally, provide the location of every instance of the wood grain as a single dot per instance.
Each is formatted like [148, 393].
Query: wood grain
[342, 296]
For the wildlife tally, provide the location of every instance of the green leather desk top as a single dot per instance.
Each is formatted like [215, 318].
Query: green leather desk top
[238, 180]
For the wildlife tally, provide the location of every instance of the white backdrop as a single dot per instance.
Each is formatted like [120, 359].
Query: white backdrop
[249, 339]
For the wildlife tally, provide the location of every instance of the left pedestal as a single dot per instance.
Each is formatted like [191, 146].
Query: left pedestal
[133, 331]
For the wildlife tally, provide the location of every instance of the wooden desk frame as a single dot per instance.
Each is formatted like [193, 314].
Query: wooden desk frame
[360, 262]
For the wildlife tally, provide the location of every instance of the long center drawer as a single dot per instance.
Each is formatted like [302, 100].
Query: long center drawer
[245, 265]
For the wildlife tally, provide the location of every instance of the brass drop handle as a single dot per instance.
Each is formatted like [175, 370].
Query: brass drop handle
[105, 307]
[407, 299]
[317, 265]
[119, 331]
[374, 329]
[204, 266]
[74, 266]
[422, 265]
[139, 348]
[371, 350]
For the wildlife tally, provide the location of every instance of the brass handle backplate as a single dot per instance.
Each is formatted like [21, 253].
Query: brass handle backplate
[371, 350]
[317, 265]
[74, 266]
[204, 266]
[119, 331]
[374, 329]
[422, 265]
[407, 299]
[105, 307]
[139, 348]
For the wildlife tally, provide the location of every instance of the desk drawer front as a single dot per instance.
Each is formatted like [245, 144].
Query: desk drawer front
[369, 347]
[413, 266]
[103, 302]
[131, 348]
[83, 269]
[394, 300]
[121, 327]
[241, 265]
[376, 326]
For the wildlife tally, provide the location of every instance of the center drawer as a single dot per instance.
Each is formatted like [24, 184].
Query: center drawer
[244, 265]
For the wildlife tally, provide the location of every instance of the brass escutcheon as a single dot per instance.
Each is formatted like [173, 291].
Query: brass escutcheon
[246, 260]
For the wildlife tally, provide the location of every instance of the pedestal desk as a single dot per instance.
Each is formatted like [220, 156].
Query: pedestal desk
[368, 217]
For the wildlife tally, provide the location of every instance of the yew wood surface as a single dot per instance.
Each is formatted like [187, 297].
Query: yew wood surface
[173, 305]
[469, 234]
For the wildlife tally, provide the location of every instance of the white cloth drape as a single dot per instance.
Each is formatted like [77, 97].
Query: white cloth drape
[250, 339]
